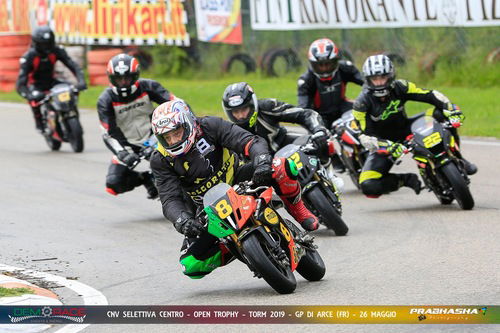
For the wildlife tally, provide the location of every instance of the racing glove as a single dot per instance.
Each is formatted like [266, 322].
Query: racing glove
[320, 137]
[396, 150]
[454, 115]
[129, 159]
[263, 174]
[81, 86]
[189, 226]
[36, 96]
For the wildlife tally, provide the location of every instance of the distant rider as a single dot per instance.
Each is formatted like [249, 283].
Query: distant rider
[193, 155]
[322, 87]
[36, 74]
[380, 111]
[125, 110]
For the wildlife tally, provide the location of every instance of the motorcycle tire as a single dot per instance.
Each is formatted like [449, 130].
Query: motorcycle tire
[350, 169]
[311, 266]
[53, 144]
[326, 211]
[280, 279]
[460, 189]
[75, 134]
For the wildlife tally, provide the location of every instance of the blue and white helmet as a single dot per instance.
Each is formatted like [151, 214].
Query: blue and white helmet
[379, 65]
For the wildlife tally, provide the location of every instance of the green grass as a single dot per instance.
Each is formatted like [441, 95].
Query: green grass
[10, 292]
[480, 105]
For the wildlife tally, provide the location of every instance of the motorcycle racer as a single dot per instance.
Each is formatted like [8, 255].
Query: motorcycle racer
[380, 111]
[195, 154]
[125, 110]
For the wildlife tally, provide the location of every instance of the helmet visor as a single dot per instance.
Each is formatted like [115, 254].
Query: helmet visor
[122, 81]
[325, 66]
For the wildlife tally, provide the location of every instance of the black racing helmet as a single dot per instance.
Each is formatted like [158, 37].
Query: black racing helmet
[43, 39]
[237, 96]
[123, 73]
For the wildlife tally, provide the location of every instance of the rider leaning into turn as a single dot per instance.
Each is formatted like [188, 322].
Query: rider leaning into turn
[125, 110]
[263, 116]
[193, 155]
[380, 111]
[36, 74]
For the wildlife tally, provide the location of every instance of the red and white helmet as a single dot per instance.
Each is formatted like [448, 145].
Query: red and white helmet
[170, 116]
[323, 58]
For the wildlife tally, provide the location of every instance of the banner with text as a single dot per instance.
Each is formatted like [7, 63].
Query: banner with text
[14, 17]
[119, 22]
[292, 314]
[351, 14]
[219, 21]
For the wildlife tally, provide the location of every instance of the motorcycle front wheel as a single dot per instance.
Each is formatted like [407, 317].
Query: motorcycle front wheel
[264, 262]
[75, 135]
[327, 213]
[460, 189]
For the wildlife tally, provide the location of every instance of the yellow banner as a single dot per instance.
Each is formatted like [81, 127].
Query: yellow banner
[14, 17]
[120, 22]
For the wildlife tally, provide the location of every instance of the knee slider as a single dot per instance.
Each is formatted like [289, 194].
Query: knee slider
[372, 187]
[197, 269]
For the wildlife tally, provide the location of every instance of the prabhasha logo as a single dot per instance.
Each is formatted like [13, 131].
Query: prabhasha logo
[445, 311]
[46, 313]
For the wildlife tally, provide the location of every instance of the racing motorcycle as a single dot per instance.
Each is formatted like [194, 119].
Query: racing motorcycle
[60, 114]
[435, 151]
[352, 153]
[319, 192]
[247, 222]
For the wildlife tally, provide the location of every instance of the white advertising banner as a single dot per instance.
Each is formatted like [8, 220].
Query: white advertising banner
[351, 14]
[219, 21]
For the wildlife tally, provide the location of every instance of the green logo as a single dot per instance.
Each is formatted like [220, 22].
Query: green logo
[392, 108]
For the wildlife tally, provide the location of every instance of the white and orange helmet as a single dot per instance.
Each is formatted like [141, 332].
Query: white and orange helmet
[170, 116]
[323, 58]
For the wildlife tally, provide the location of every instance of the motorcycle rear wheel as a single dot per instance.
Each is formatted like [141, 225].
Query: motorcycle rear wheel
[311, 266]
[75, 135]
[327, 213]
[53, 144]
[280, 279]
[460, 189]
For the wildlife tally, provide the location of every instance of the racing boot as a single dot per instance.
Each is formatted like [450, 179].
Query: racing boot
[470, 168]
[411, 180]
[38, 121]
[149, 184]
[300, 213]
[285, 174]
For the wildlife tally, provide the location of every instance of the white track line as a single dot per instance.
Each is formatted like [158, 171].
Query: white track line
[90, 295]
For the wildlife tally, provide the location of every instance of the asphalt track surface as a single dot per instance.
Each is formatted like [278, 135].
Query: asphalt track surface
[402, 249]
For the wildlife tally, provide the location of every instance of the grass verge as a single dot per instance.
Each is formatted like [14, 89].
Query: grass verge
[480, 105]
[10, 292]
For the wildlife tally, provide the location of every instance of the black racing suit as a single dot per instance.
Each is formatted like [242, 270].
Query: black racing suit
[387, 120]
[126, 122]
[182, 181]
[37, 74]
[328, 97]
[272, 112]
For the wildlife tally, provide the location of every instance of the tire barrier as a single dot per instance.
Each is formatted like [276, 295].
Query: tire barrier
[396, 58]
[271, 56]
[12, 48]
[346, 55]
[245, 59]
[77, 54]
[145, 59]
[97, 60]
